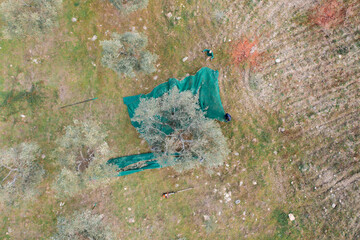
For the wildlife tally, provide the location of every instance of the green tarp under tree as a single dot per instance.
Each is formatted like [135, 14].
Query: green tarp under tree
[204, 86]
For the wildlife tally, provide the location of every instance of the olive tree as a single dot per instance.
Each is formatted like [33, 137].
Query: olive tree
[128, 6]
[83, 225]
[19, 172]
[28, 17]
[178, 132]
[126, 54]
[82, 154]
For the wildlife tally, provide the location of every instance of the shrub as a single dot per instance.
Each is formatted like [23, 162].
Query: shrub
[82, 154]
[19, 172]
[83, 225]
[126, 54]
[128, 6]
[28, 17]
[179, 133]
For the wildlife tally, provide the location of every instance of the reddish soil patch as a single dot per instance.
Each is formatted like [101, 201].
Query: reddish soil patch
[245, 51]
[329, 14]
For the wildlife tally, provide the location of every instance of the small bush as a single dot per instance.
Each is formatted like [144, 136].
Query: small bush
[19, 172]
[82, 155]
[126, 54]
[83, 225]
[29, 17]
[128, 6]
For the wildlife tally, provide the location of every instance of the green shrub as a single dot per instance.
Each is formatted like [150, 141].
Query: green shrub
[83, 225]
[128, 6]
[19, 172]
[179, 133]
[82, 154]
[29, 17]
[126, 54]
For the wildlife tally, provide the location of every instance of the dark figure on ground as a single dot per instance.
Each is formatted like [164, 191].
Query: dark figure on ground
[227, 117]
[209, 54]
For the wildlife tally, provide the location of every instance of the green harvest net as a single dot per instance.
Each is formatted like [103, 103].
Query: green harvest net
[204, 82]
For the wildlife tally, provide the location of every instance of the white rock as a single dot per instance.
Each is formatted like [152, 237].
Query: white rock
[176, 185]
[144, 27]
[237, 202]
[131, 220]
[275, 152]
[184, 59]
[169, 14]
[129, 209]
[43, 156]
[236, 153]
[93, 38]
[333, 205]
[156, 77]
[73, 19]
[206, 217]
[277, 60]
[178, 18]
[241, 183]
[254, 182]
[22, 115]
[291, 217]
[62, 204]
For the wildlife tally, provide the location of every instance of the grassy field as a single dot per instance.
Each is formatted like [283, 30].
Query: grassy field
[293, 95]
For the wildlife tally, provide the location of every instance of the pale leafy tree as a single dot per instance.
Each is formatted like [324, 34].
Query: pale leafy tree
[81, 226]
[29, 17]
[128, 6]
[82, 154]
[19, 172]
[126, 54]
[179, 133]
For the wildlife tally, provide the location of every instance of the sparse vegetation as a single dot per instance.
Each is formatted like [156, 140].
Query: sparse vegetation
[179, 133]
[82, 154]
[126, 54]
[129, 6]
[83, 225]
[29, 17]
[20, 172]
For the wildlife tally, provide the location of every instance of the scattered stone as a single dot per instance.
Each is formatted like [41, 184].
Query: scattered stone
[74, 19]
[43, 156]
[156, 77]
[178, 18]
[35, 61]
[340, 56]
[169, 14]
[94, 64]
[219, 174]
[62, 204]
[333, 205]
[277, 60]
[185, 59]
[227, 197]
[22, 115]
[237, 202]
[281, 129]
[275, 152]
[93, 38]
[236, 153]
[131, 220]
[144, 27]
[125, 188]
[186, 75]
[176, 185]
[241, 183]
[254, 182]
[229, 40]
[206, 217]
[291, 217]
[129, 209]
[10, 65]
